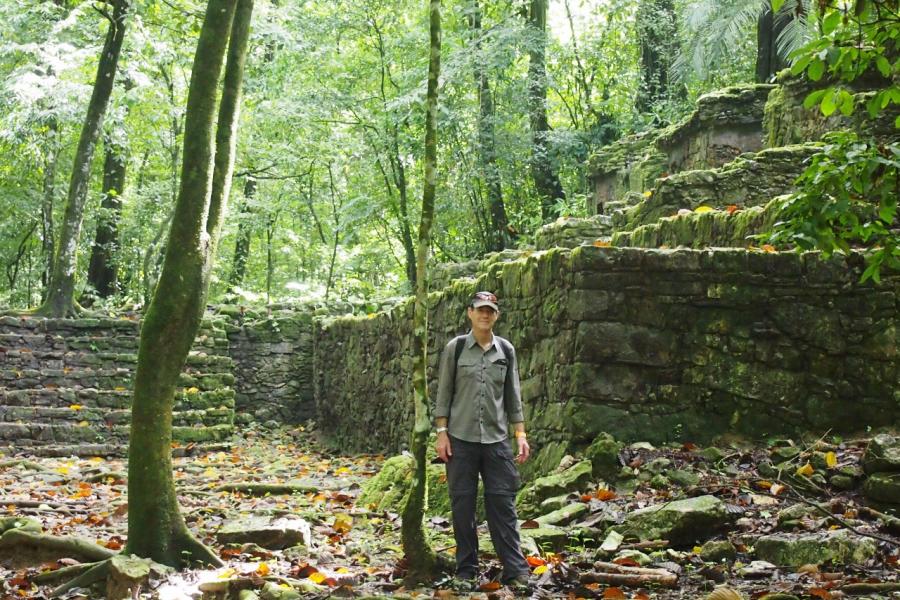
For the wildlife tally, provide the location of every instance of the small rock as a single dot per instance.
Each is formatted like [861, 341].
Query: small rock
[784, 453]
[556, 502]
[758, 569]
[547, 537]
[272, 534]
[635, 555]
[564, 515]
[839, 547]
[842, 482]
[604, 456]
[572, 479]
[683, 478]
[718, 550]
[659, 482]
[658, 465]
[712, 454]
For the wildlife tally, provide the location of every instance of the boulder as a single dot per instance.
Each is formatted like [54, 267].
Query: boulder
[573, 479]
[682, 522]
[883, 487]
[546, 538]
[717, 551]
[839, 547]
[882, 454]
[274, 534]
[389, 489]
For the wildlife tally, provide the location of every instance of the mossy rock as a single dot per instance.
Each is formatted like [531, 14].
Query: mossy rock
[883, 487]
[838, 547]
[882, 454]
[389, 489]
[682, 522]
[20, 523]
[604, 456]
[573, 479]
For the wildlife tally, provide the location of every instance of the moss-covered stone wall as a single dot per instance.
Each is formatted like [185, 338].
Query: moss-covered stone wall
[65, 385]
[645, 344]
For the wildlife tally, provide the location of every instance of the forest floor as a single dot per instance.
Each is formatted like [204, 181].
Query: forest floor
[355, 551]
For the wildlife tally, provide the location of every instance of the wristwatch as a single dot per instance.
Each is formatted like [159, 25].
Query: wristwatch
[520, 434]
[441, 429]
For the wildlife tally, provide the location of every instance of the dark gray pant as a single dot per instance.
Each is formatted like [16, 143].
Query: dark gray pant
[496, 465]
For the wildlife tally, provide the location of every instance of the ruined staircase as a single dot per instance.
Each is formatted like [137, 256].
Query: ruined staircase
[65, 387]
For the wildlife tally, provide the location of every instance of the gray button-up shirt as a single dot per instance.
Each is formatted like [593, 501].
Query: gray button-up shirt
[482, 400]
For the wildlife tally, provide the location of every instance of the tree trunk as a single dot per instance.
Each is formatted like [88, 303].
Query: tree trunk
[768, 27]
[61, 295]
[242, 243]
[47, 202]
[420, 556]
[156, 528]
[543, 171]
[103, 271]
[499, 234]
[657, 31]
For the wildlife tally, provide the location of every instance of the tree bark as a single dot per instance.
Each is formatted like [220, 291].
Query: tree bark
[156, 528]
[61, 294]
[657, 31]
[543, 171]
[242, 243]
[420, 556]
[499, 237]
[103, 272]
[768, 27]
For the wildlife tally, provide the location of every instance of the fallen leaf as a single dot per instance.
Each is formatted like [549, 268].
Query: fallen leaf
[731, 209]
[648, 193]
[769, 248]
[343, 523]
[262, 570]
[776, 489]
[535, 561]
[602, 244]
[809, 569]
[490, 586]
[613, 593]
[530, 524]
[831, 460]
[819, 593]
[317, 577]
[703, 209]
[604, 495]
[540, 570]
[75, 407]
[806, 470]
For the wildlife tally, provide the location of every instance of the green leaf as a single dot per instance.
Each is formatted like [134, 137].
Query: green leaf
[814, 98]
[829, 103]
[897, 122]
[884, 66]
[830, 22]
[846, 103]
[776, 5]
[816, 69]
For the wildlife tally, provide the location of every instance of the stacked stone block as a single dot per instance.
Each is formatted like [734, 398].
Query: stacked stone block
[66, 386]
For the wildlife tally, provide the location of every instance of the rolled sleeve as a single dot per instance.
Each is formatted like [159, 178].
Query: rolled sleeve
[446, 374]
[512, 393]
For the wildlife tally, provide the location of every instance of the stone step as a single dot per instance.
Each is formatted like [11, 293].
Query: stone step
[101, 327]
[111, 399]
[25, 435]
[118, 379]
[60, 359]
[108, 417]
[106, 449]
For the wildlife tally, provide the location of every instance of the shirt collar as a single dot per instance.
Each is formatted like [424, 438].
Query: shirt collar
[471, 341]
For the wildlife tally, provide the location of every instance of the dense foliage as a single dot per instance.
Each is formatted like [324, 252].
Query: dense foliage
[330, 155]
[848, 195]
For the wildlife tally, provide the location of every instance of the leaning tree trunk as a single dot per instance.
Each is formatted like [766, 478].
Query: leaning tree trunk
[61, 293]
[768, 27]
[47, 202]
[543, 172]
[156, 528]
[420, 556]
[498, 238]
[103, 273]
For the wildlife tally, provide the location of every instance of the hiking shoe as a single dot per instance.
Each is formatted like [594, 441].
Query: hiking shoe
[464, 584]
[519, 585]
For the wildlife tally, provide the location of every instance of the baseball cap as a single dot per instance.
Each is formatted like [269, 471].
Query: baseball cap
[485, 299]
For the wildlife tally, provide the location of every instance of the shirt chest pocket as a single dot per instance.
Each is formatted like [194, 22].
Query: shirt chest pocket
[497, 370]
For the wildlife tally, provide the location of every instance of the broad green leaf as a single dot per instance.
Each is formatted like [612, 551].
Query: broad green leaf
[830, 22]
[884, 66]
[829, 104]
[816, 69]
[776, 5]
[813, 98]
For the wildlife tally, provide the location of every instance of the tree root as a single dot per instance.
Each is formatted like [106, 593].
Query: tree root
[194, 551]
[96, 573]
[870, 588]
[16, 541]
[62, 573]
[27, 464]
[270, 489]
[889, 523]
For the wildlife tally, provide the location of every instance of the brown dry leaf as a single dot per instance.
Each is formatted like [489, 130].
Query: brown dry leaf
[444, 594]
[530, 524]
[613, 593]
[731, 209]
[819, 593]
[809, 569]
[776, 489]
[490, 586]
[604, 495]
[343, 523]
[769, 248]
[535, 561]
[602, 244]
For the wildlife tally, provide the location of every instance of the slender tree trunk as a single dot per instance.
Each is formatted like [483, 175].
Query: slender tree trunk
[103, 271]
[336, 218]
[420, 556]
[768, 27]
[156, 528]
[242, 243]
[499, 233]
[543, 171]
[657, 31]
[47, 202]
[61, 295]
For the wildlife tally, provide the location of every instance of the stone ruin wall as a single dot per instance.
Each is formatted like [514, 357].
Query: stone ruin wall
[648, 345]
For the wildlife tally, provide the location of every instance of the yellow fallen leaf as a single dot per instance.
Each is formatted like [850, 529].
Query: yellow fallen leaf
[831, 460]
[648, 193]
[317, 577]
[703, 209]
[342, 523]
[192, 390]
[776, 489]
[697, 550]
[540, 570]
[769, 248]
[262, 570]
[806, 470]
[75, 407]
[62, 470]
[602, 244]
[83, 423]
[120, 388]
[227, 573]
[342, 471]
[343, 570]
